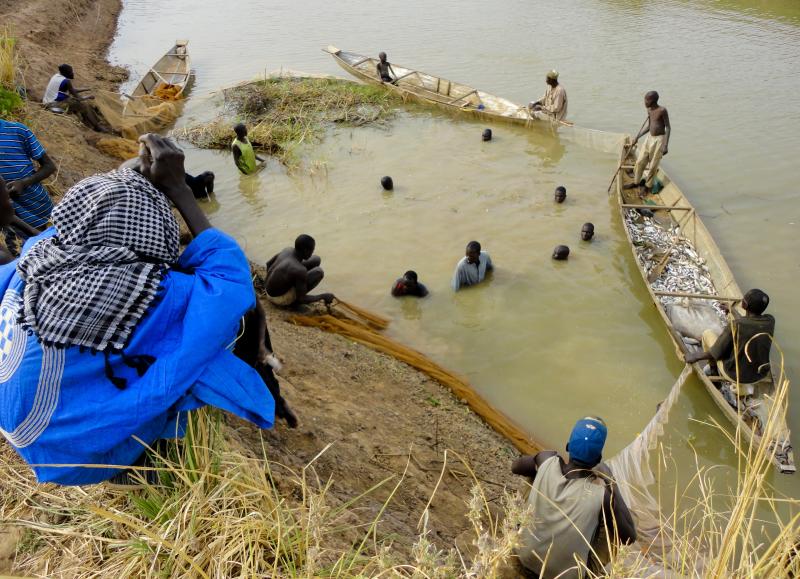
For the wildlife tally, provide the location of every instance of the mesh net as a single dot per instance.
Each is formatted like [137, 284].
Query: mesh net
[117, 147]
[604, 141]
[136, 116]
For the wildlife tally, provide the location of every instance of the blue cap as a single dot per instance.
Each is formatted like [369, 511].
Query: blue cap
[587, 440]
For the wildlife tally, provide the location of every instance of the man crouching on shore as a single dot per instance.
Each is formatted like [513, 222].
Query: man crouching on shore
[293, 273]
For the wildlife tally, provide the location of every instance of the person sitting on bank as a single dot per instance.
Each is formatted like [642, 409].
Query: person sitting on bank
[61, 93]
[553, 105]
[655, 146]
[243, 154]
[385, 70]
[111, 335]
[294, 272]
[743, 345]
[569, 501]
[472, 268]
[409, 285]
[19, 148]
[202, 185]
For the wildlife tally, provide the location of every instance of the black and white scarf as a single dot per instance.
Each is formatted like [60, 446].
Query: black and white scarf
[92, 283]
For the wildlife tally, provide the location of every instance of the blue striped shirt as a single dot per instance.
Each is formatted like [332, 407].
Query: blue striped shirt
[19, 147]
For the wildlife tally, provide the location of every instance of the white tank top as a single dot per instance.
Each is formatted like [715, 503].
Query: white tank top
[52, 90]
[566, 513]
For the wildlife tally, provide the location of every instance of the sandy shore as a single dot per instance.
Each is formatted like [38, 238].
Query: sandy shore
[377, 414]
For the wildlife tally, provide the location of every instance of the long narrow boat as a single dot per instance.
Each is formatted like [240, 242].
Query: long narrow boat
[172, 70]
[691, 269]
[430, 89]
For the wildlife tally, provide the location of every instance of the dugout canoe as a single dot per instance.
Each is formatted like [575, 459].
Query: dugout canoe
[172, 69]
[429, 89]
[678, 212]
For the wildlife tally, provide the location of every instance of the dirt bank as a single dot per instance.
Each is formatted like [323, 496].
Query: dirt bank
[377, 415]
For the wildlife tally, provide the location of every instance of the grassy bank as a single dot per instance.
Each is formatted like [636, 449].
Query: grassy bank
[285, 113]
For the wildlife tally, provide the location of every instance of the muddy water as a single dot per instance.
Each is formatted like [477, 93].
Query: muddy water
[544, 341]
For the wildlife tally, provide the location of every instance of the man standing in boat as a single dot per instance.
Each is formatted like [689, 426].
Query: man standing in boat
[553, 105]
[385, 70]
[243, 154]
[655, 145]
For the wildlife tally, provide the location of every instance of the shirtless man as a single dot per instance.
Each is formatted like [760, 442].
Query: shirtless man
[385, 70]
[293, 273]
[654, 146]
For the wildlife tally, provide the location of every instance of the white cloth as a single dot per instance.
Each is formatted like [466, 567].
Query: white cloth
[554, 102]
[51, 93]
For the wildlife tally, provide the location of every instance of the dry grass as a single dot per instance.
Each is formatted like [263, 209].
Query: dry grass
[9, 65]
[285, 113]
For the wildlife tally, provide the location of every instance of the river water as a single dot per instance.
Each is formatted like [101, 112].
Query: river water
[545, 342]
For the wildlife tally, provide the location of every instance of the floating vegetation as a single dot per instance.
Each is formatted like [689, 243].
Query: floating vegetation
[282, 113]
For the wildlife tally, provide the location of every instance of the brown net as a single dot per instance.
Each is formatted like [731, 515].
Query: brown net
[365, 316]
[168, 92]
[118, 147]
[363, 333]
[136, 116]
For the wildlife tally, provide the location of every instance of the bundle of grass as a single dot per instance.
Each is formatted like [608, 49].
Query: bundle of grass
[10, 101]
[283, 113]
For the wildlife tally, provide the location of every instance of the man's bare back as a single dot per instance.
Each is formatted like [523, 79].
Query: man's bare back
[294, 272]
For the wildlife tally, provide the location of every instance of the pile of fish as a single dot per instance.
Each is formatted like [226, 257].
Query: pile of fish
[685, 271]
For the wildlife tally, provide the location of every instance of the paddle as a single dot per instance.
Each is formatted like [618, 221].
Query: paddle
[625, 148]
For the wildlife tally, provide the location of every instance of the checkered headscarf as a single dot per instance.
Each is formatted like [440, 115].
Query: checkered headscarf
[92, 283]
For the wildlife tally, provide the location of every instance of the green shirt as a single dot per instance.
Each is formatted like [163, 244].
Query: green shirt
[247, 160]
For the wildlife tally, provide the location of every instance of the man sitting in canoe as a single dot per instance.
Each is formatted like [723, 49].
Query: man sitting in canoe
[472, 268]
[655, 145]
[61, 94]
[243, 154]
[744, 344]
[385, 70]
[294, 272]
[553, 105]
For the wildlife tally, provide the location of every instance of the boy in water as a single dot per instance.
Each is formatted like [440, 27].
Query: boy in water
[409, 285]
[243, 154]
[655, 145]
[385, 70]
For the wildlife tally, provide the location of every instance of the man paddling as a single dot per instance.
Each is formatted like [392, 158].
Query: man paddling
[655, 145]
[569, 501]
[294, 272]
[553, 105]
[385, 70]
[243, 154]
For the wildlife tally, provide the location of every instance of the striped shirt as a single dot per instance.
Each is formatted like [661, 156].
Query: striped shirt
[18, 148]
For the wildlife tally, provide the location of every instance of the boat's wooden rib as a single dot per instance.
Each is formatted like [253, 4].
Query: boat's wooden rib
[430, 89]
[668, 199]
[174, 68]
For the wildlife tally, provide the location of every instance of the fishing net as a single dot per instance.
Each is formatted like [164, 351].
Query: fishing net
[371, 319]
[341, 323]
[118, 147]
[168, 92]
[604, 141]
[136, 116]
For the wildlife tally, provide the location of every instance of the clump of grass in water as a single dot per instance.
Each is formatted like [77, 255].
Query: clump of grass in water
[284, 113]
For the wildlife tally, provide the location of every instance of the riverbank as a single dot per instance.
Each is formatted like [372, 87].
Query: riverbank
[372, 416]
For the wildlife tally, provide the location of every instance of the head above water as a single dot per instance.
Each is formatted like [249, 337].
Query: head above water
[487, 135]
[240, 130]
[387, 183]
[561, 252]
[755, 301]
[410, 278]
[304, 245]
[561, 194]
[552, 78]
[587, 440]
[382, 56]
[66, 71]
[651, 99]
[587, 231]
[473, 252]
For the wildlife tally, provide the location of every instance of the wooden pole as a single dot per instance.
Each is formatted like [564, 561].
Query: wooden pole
[698, 296]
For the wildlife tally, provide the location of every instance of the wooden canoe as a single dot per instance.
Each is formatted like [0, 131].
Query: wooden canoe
[172, 69]
[679, 212]
[429, 89]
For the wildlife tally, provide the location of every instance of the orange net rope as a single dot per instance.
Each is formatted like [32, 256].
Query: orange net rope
[168, 92]
[118, 147]
[341, 323]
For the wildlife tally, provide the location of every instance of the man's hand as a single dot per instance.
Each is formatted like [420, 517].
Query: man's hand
[16, 188]
[328, 298]
[664, 151]
[161, 162]
[695, 357]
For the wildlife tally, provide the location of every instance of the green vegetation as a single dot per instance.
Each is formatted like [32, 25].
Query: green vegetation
[284, 113]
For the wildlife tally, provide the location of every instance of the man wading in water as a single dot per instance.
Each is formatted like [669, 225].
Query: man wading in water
[569, 501]
[243, 154]
[654, 146]
[293, 273]
[385, 70]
